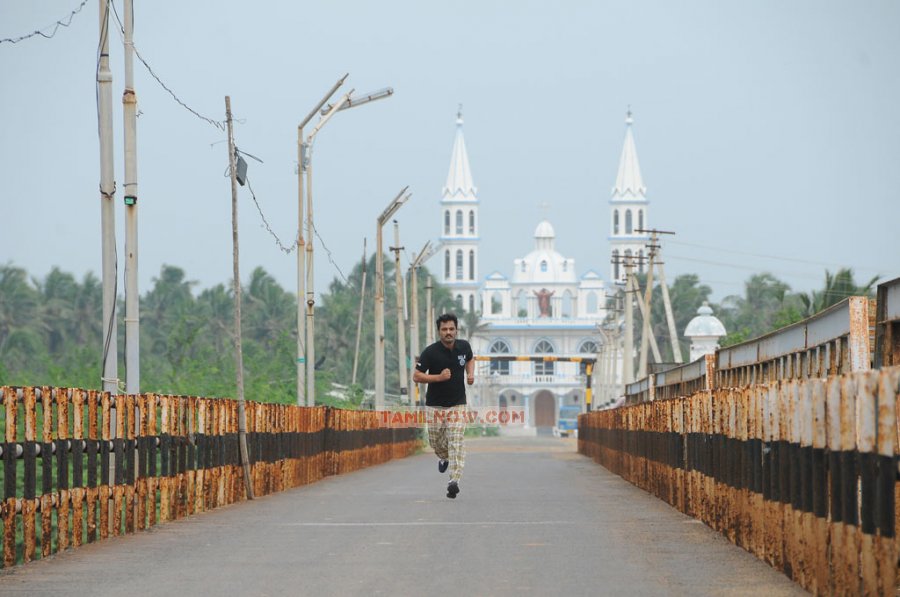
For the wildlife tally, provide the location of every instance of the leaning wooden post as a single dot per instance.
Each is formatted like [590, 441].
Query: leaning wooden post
[242, 415]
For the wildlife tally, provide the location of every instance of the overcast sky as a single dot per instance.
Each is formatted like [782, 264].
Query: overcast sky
[768, 132]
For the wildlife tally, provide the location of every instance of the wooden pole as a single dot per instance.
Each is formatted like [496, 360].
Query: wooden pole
[239, 355]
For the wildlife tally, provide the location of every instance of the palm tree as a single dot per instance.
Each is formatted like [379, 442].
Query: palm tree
[837, 287]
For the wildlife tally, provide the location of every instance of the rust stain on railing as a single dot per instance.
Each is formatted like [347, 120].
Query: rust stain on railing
[801, 473]
[164, 458]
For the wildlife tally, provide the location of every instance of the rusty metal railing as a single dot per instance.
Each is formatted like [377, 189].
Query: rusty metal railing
[832, 342]
[71, 477]
[801, 473]
[887, 325]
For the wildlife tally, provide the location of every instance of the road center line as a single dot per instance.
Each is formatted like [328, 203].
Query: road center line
[425, 523]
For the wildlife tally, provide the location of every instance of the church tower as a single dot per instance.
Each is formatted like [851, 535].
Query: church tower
[628, 209]
[459, 226]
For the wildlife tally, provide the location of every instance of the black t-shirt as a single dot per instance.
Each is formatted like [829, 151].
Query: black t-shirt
[435, 359]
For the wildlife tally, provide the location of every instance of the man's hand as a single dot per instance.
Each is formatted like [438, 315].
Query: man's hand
[444, 375]
[470, 378]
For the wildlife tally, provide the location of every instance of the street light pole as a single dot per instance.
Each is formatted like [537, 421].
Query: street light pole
[326, 114]
[301, 246]
[401, 331]
[398, 201]
[132, 305]
[414, 317]
[110, 372]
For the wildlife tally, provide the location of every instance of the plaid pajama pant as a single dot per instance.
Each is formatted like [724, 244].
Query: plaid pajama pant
[446, 427]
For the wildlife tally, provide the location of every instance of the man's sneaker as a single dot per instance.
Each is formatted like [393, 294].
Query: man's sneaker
[442, 465]
[452, 489]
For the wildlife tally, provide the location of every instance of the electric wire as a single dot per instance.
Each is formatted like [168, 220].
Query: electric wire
[285, 248]
[763, 256]
[63, 22]
[219, 124]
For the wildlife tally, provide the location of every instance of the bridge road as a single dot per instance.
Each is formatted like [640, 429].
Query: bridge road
[534, 517]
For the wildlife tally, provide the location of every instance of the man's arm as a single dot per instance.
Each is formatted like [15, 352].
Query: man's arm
[420, 377]
[470, 371]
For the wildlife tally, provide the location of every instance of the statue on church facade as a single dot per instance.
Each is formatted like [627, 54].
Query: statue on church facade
[544, 301]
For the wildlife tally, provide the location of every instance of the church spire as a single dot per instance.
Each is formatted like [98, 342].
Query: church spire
[459, 179]
[629, 184]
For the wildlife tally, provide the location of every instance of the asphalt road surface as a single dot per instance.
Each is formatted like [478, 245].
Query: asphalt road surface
[533, 517]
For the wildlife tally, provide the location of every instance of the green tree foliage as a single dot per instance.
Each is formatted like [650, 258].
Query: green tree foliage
[687, 295]
[837, 287]
[50, 333]
[767, 304]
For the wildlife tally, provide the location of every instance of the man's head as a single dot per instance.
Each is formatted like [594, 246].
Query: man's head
[447, 328]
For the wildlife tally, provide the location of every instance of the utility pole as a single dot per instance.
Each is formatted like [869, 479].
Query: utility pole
[645, 310]
[132, 303]
[110, 372]
[429, 309]
[389, 211]
[239, 355]
[362, 300]
[670, 317]
[646, 329]
[628, 357]
[401, 328]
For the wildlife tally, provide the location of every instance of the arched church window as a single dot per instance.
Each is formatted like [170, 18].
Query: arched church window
[616, 221]
[544, 266]
[459, 264]
[472, 264]
[615, 259]
[471, 303]
[496, 303]
[447, 265]
[499, 347]
[447, 221]
[628, 228]
[459, 302]
[522, 304]
[641, 219]
[543, 367]
[472, 221]
[523, 266]
[640, 256]
[459, 221]
[592, 302]
[587, 347]
[565, 265]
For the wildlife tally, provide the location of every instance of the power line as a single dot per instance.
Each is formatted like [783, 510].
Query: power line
[64, 22]
[763, 256]
[330, 256]
[216, 123]
[287, 249]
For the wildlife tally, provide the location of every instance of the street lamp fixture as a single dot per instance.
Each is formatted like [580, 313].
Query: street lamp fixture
[306, 322]
[398, 201]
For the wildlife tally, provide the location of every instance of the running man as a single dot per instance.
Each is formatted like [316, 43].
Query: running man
[442, 366]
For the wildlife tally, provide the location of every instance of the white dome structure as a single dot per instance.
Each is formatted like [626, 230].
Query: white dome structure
[704, 332]
[544, 265]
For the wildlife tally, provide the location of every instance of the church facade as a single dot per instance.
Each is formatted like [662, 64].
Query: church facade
[544, 306]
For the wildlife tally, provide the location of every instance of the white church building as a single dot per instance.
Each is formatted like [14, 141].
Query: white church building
[544, 306]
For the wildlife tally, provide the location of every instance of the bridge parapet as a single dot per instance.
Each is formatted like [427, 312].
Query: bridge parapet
[801, 472]
[832, 342]
[887, 325]
[71, 476]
